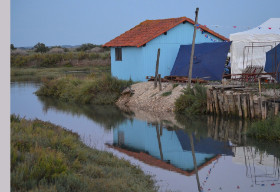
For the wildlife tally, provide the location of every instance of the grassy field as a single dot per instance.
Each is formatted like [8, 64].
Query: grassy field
[268, 129]
[39, 74]
[46, 157]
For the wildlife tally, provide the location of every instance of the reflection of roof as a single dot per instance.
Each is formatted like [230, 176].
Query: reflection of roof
[150, 29]
[204, 145]
[148, 159]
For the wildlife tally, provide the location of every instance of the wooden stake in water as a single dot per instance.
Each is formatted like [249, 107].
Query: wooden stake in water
[194, 162]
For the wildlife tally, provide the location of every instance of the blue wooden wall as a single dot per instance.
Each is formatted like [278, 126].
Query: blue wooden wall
[137, 63]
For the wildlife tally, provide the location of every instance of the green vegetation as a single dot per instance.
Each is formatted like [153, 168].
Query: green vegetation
[41, 48]
[38, 74]
[57, 59]
[91, 90]
[268, 129]
[45, 157]
[13, 47]
[175, 85]
[85, 47]
[193, 101]
[167, 93]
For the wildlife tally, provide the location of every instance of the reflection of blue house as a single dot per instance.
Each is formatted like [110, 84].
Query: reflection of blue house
[173, 146]
[134, 53]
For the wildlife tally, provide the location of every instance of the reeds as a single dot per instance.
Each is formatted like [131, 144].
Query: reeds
[92, 90]
[193, 101]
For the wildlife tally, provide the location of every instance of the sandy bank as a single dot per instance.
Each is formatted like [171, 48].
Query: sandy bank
[148, 98]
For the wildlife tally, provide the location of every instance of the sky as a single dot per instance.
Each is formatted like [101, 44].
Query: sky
[74, 22]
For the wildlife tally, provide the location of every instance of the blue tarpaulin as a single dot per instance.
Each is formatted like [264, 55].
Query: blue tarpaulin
[272, 61]
[204, 145]
[208, 63]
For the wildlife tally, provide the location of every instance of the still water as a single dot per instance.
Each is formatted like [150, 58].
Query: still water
[162, 145]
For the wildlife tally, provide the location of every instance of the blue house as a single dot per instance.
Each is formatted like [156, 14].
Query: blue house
[168, 145]
[134, 53]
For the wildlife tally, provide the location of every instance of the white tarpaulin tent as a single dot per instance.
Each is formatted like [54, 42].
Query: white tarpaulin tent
[250, 47]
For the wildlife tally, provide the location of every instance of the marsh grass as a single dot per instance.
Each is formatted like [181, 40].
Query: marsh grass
[38, 74]
[45, 157]
[192, 101]
[92, 90]
[268, 129]
[55, 59]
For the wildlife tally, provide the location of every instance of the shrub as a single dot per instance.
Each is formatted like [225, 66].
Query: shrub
[41, 47]
[192, 101]
[101, 90]
[85, 47]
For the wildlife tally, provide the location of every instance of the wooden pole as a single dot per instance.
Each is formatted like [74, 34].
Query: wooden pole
[157, 64]
[216, 101]
[194, 163]
[159, 143]
[159, 82]
[244, 104]
[208, 100]
[192, 52]
[276, 108]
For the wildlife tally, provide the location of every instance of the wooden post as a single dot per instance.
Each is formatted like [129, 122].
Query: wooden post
[225, 103]
[159, 143]
[194, 163]
[260, 107]
[220, 97]
[159, 82]
[208, 100]
[245, 109]
[252, 106]
[265, 110]
[216, 101]
[157, 64]
[276, 108]
[260, 88]
[239, 105]
[192, 52]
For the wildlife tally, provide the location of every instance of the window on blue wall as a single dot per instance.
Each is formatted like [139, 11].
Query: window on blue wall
[118, 54]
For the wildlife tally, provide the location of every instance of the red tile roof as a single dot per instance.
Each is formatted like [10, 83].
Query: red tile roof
[148, 159]
[150, 29]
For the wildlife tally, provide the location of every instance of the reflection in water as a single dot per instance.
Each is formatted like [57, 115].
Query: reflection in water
[108, 116]
[162, 143]
[213, 137]
[171, 146]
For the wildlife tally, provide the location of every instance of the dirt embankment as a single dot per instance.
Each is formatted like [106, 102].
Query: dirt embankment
[148, 98]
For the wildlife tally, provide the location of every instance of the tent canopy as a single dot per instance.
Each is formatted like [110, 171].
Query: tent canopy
[272, 63]
[209, 60]
[250, 47]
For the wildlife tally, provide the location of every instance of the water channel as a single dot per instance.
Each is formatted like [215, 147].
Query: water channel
[162, 146]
